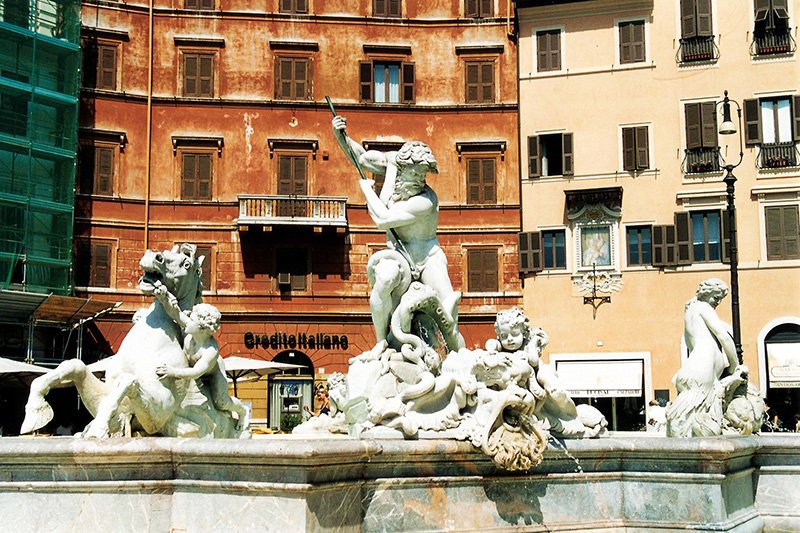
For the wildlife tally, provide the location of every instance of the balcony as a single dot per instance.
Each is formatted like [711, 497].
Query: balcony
[696, 49]
[700, 160]
[777, 155]
[317, 211]
[772, 42]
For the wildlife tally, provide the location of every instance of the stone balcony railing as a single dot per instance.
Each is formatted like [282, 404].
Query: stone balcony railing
[292, 210]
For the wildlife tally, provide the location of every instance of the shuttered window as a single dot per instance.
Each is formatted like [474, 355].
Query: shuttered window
[292, 263]
[293, 6]
[664, 252]
[478, 8]
[774, 124]
[550, 155]
[482, 270]
[635, 149]
[196, 176]
[548, 50]
[383, 82]
[93, 264]
[292, 78]
[292, 181]
[207, 251]
[631, 42]
[198, 75]
[386, 8]
[479, 82]
[106, 67]
[696, 19]
[772, 31]
[530, 252]
[481, 181]
[701, 125]
[198, 4]
[783, 233]
[103, 182]
[640, 245]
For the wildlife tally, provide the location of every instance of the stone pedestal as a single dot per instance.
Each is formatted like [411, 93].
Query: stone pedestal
[286, 483]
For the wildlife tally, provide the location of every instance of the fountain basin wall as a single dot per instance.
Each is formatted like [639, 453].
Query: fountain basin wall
[284, 483]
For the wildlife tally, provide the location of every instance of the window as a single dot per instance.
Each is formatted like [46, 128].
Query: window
[702, 150]
[554, 249]
[706, 241]
[548, 50]
[481, 181]
[771, 32]
[783, 235]
[482, 270]
[292, 181]
[106, 67]
[93, 264]
[387, 82]
[697, 32]
[293, 269]
[292, 78]
[198, 4]
[774, 124]
[96, 169]
[550, 155]
[198, 75]
[639, 245]
[635, 149]
[386, 8]
[479, 8]
[293, 6]
[196, 174]
[631, 42]
[207, 251]
[480, 82]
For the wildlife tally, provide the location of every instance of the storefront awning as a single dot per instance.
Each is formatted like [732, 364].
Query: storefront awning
[50, 309]
[601, 379]
[783, 361]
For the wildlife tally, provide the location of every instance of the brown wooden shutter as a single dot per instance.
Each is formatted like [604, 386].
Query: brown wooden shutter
[301, 6]
[642, 148]
[394, 8]
[693, 126]
[688, 19]
[628, 149]
[542, 52]
[300, 79]
[203, 176]
[566, 154]
[709, 118]
[796, 116]
[283, 78]
[471, 9]
[473, 181]
[379, 8]
[365, 81]
[189, 179]
[659, 246]
[482, 270]
[638, 45]
[752, 121]
[783, 232]
[555, 50]
[190, 74]
[284, 175]
[408, 83]
[704, 25]
[486, 8]
[299, 175]
[781, 9]
[531, 257]
[683, 238]
[107, 68]
[534, 169]
[286, 6]
[104, 171]
[625, 43]
[472, 82]
[206, 78]
[101, 265]
[487, 82]
[309, 94]
[205, 274]
[791, 232]
[474, 264]
[489, 181]
[762, 8]
[490, 271]
[726, 238]
[773, 216]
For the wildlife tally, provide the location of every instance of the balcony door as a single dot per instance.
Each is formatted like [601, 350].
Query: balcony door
[292, 182]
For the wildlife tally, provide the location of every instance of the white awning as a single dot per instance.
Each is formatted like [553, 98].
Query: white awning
[601, 379]
[783, 361]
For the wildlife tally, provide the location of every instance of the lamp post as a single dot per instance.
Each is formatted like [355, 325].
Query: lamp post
[729, 128]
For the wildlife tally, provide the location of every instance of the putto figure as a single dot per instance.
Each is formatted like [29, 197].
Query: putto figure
[714, 396]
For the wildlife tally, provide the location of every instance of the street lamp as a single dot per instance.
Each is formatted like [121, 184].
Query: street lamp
[729, 128]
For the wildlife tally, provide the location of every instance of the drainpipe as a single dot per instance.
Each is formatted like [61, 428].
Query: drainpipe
[519, 137]
[148, 173]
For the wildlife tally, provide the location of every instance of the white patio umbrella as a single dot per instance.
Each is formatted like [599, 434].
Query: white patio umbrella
[23, 372]
[248, 369]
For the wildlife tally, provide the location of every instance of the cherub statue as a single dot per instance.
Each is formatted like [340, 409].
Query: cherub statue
[202, 351]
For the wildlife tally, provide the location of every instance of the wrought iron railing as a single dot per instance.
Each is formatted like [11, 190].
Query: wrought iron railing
[293, 210]
[699, 160]
[697, 49]
[773, 42]
[777, 155]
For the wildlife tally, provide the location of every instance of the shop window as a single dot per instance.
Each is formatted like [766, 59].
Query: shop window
[387, 82]
[93, 264]
[196, 176]
[481, 181]
[783, 236]
[293, 78]
[631, 42]
[548, 50]
[639, 240]
[550, 155]
[479, 82]
[635, 148]
[482, 271]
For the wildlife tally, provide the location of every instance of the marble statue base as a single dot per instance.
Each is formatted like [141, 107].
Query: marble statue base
[290, 483]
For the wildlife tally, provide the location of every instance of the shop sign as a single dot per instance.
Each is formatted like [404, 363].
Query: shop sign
[783, 360]
[301, 341]
[602, 379]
